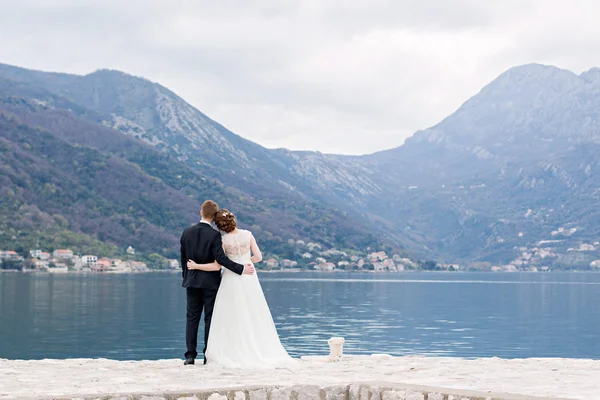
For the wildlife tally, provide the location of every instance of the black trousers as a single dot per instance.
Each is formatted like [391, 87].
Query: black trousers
[198, 299]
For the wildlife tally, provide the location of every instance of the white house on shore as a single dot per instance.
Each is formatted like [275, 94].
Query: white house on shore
[10, 255]
[63, 254]
[328, 266]
[89, 261]
[379, 256]
[289, 263]
[35, 253]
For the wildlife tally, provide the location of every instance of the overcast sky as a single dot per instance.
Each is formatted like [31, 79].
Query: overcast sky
[338, 76]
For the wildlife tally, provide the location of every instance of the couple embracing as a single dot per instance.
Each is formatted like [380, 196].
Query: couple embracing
[220, 279]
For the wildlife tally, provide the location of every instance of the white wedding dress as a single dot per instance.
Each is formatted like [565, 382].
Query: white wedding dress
[242, 331]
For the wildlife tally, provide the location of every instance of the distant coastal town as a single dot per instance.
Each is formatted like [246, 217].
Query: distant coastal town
[65, 261]
[301, 257]
[311, 257]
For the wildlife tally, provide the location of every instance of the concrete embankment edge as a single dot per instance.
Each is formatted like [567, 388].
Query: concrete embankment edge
[371, 391]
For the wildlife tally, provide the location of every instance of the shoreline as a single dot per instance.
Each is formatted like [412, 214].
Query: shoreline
[89, 378]
[294, 271]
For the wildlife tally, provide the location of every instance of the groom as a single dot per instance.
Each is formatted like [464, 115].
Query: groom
[202, 244]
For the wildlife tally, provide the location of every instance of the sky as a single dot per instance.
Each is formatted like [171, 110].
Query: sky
[336, 76]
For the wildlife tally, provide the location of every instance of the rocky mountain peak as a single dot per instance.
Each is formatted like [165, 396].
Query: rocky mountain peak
[591, 76]
[524, 107]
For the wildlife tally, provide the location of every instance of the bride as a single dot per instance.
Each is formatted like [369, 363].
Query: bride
[242, 332]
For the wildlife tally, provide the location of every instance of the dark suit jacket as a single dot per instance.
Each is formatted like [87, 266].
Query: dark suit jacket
[202, 244]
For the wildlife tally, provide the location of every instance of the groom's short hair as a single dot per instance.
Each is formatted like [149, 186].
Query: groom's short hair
[209, 209]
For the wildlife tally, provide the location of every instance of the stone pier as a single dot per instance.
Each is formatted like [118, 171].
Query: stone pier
[351, 378]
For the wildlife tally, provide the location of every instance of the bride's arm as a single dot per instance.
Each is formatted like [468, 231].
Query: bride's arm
[213, 266]
[256, 254]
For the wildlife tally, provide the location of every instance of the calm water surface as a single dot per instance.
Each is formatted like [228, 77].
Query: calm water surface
[131, 317]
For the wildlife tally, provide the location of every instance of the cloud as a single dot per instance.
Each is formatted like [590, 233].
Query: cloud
[337, 76]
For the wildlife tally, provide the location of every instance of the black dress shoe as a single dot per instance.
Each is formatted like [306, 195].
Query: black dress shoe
[189, 361]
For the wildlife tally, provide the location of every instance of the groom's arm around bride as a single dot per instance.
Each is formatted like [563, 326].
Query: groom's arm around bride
[222, 259]
[203, 245]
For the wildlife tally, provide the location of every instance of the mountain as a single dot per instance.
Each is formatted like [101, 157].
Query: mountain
[508, 178]
[153, 114]
[505, 173]
[99, 162]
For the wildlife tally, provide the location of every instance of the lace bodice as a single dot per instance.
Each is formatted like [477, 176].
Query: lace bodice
[237, 244]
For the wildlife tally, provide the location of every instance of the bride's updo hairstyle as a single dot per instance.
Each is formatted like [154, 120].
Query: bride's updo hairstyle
[225, 220]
